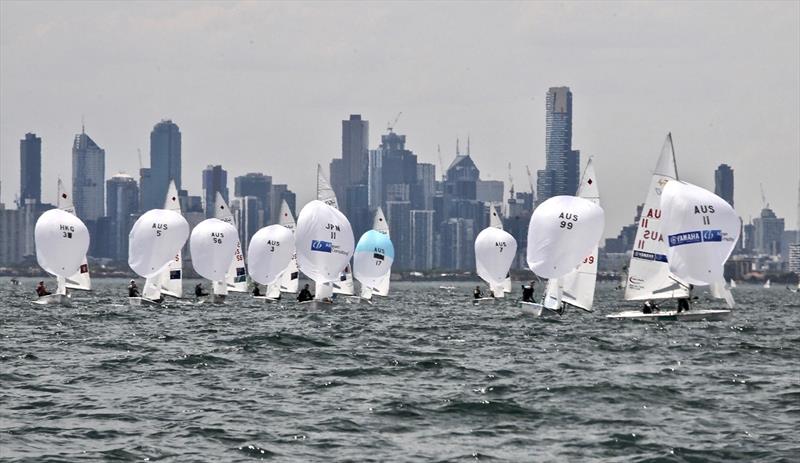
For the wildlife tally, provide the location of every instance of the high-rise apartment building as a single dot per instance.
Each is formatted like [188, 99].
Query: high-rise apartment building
[215, 179]
[349, 174]
[30, 163]
[561, 174]
[165, 164]
[122, 203]
[768, 232]
[723, 183]
[88, 177]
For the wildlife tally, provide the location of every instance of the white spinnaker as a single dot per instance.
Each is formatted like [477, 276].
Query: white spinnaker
[290, 278]
[269, 253]
[648, 273]
[236, 278]
[170, 281]
[381, 288]
[494, 252]
[577, 287]
[212, 245]
[372, 260]
[701, 230]
[497, 222]
[324, 242]
[61, 240]
[153, 241]
[562, 231]
[80, 279]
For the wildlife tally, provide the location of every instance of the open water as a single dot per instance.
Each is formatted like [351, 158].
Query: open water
[420, 376]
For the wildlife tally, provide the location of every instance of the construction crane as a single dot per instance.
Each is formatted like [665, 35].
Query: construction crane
[390, 125]
[764, 203]
[510, 181]
[530, 178]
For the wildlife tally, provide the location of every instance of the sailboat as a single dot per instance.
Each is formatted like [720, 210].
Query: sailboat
[697, 232]
[62, 240]
[563, 230]
[153, 242]
[495, 250]
[170, 280]
[767, 284]
[577, 287]
[270, 251]
[212, 245]
[80, 280]
[795, 290]
[324, 243]
[236, 278]
[344, 284]
[290, 277]
[372, 261]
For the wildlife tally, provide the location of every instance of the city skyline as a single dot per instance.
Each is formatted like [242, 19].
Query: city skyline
[691, 83]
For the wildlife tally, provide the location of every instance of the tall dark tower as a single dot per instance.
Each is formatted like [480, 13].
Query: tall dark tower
[165, 164]
[723, 183]
[349, 175]
[30, 162]
[561, 174]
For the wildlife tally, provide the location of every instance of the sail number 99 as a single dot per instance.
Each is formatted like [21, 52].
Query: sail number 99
[565, 224]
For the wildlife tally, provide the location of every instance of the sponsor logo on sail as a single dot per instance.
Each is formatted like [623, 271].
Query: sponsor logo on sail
[321, 246]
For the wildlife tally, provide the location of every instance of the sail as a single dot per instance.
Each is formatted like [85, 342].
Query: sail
[495, 250]
[153, 241]
[80, 279]
[290, 278]
[324, 242]
[494, 219]
[344, 285]
[373, 258]
[563, 230]
[577, 287]
[381, 288]
[236, 278]
[701, 230]
[61, 240]
[171, 279]
[269, 252]
[325, 192]
[648, 273]
[212, 244]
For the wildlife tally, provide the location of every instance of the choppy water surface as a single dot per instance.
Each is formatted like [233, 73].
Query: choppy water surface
[420, 376]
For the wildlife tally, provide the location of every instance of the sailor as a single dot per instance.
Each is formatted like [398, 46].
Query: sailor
[41, 290]
[683, 303]
[527, 292]
[648, 307]
[198, 290]
[133, 290]
[256, 290]
[476, 293]
[305, 294]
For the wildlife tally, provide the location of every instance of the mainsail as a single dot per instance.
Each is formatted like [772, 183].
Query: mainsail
[236, 278]
[62, 241]
[152, 243]
[495, 250]
[381, 288]
[701, 230]
[170, 281]
[577, 287]
[648, 273]
[269, 252]
[290, 278]
[80, 279]
[343, 284]
[212, 245]
[324, 242]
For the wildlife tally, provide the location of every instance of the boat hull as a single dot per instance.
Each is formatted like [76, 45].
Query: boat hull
[538, 310]
[484, 300]
[673, 316]
[142, 301]
[266, 299]
[54, 299]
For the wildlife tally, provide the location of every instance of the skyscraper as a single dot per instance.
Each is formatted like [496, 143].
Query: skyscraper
[122, 202]
[561, 174]
[165, 164]
[88, 177]
[349, 175]
[257, 185]
[768, 232]
[723, 183]
[30, 163]
[215, 179]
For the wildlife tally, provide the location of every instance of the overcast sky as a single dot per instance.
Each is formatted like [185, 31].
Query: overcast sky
[264, 86]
